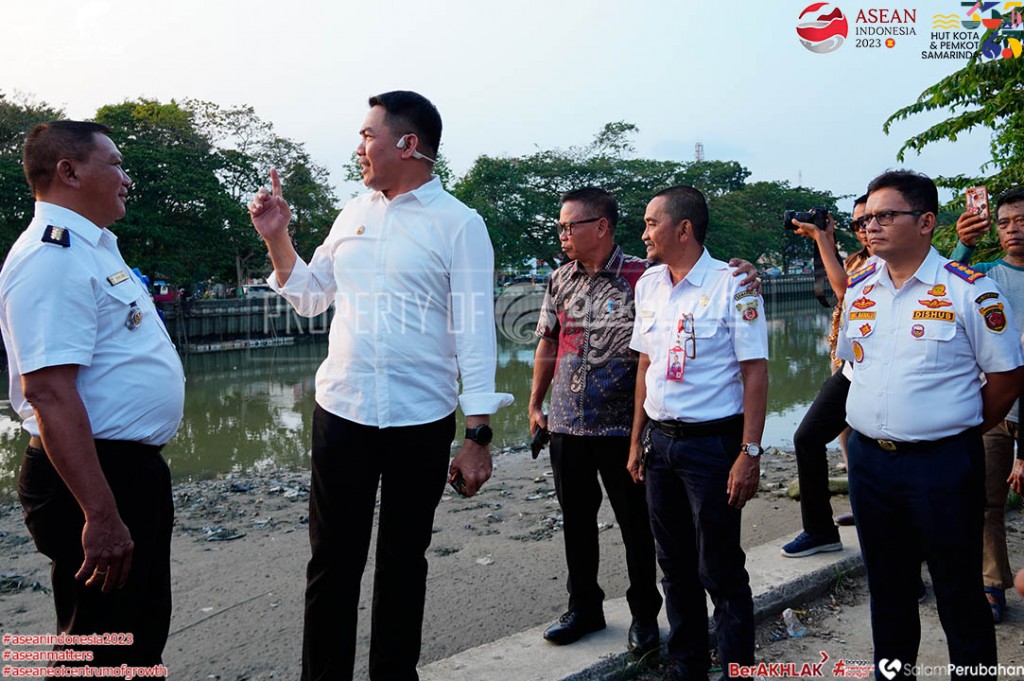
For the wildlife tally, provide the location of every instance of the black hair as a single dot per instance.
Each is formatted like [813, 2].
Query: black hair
[48, 143]
[410, 112]
[916, 188]
[683, 202]
[597, 200]
[1009, 197]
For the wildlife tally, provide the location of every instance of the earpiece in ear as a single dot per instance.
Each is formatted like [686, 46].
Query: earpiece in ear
[402, 144]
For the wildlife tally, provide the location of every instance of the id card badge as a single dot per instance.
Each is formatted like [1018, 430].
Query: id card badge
[676, 363]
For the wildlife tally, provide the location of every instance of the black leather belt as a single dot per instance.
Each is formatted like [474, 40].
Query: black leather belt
[114, 446]
[681, 429]
[897, 446]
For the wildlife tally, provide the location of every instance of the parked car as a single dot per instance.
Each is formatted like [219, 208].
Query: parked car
[257, 291]
[163, 292]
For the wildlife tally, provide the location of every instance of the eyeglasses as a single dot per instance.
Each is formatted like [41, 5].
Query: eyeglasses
[887, 217]
[1017, 221]
[859, 225]
[690, 344]
[567, 227]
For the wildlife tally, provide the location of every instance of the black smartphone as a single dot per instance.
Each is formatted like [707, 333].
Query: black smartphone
[458, 483]
[540, 439]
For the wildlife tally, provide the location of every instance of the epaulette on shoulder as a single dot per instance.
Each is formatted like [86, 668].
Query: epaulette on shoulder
[861, 274]
[57, 235]
[968, 274]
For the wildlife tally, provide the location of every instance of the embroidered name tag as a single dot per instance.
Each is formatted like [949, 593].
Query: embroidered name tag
[117, 278]
[940, 315]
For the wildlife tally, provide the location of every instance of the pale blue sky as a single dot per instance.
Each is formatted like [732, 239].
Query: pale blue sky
[508, 77]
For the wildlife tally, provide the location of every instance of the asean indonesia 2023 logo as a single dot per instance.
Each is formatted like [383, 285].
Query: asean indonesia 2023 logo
[822, 28]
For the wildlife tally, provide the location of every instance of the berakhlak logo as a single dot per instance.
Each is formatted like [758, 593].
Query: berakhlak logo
[822, 28]
[889, 668]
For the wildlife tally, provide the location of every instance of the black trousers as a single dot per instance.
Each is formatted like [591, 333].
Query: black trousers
[824, 421]
[576, 462]
[698, 536]
[141, 483]
[349, 460]
[929, 505]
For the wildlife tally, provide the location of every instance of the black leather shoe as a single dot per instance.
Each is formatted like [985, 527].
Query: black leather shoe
[644, 636]
[572, 626]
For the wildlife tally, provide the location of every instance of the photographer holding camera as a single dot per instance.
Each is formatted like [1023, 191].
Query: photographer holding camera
[1002, 468]
[826, 417]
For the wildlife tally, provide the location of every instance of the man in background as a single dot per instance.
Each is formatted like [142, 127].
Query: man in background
[1001, 467]
[697, 431]
[583, 354]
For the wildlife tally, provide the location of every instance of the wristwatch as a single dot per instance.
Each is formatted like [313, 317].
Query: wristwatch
[752, 450]
[482, 434]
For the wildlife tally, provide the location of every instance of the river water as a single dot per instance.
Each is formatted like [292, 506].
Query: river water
[252, 409]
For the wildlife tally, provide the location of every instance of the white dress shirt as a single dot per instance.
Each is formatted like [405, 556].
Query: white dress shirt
[918, 351]
[412, 282]
[729, 328]
[71, 305]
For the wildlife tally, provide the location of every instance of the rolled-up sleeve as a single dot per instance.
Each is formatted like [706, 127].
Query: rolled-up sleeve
[472, 282]
[311, 288]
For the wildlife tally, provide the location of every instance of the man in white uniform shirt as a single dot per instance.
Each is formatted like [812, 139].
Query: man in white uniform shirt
[700, 422]
[920, 330]
[100, 389]
[410, 271]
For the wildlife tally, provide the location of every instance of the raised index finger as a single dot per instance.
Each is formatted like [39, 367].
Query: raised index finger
[275, 183]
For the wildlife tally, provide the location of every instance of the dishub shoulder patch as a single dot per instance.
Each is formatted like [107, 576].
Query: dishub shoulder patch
[966, 273]
[57, 235]
[861, 274]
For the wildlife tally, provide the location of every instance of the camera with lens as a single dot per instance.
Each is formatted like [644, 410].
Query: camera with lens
[816, 216]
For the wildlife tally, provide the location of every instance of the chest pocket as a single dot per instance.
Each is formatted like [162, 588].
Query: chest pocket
[117, 301]
[935, 337]
[646, 322]
[857, 329]
[705, 327]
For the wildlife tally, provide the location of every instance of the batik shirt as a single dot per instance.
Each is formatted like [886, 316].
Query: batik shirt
[591, 319]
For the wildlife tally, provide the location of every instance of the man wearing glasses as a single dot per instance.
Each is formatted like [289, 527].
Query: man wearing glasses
[697, 431]
[920, 330]
[1001, 468]
[825, 419]
[583, 354]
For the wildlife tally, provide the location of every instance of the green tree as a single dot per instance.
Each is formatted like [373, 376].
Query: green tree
[747, 223]
[18, 115]
[177, 208]
[248, 147]
[982, 95]
[518, 197]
